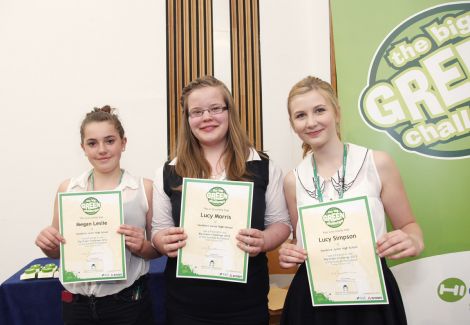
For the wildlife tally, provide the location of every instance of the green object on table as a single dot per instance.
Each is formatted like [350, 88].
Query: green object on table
[38, 271]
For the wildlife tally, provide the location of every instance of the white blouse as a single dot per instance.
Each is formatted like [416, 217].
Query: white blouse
[135, 206]
[361, 179]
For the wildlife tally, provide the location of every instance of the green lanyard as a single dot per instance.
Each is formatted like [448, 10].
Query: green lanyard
[316, 179]
[92, 179]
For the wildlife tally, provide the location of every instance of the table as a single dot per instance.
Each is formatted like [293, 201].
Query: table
[37, 301]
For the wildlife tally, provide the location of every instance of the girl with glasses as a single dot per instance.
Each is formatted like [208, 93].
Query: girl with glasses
[212, 145]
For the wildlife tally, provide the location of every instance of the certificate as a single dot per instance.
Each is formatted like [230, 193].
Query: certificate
[93, 250]
[342, 266]
[212, 213]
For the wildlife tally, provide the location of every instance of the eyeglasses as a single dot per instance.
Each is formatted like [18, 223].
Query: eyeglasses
[198, 112]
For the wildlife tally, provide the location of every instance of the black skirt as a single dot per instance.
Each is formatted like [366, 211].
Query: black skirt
[298, 308]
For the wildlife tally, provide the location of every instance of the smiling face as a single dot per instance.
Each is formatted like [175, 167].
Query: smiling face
[313, 118]
[103, 146]
[209, 130]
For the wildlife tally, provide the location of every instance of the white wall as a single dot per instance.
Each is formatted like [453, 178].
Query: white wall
[60, 58]
[222, 50]
[294, 44]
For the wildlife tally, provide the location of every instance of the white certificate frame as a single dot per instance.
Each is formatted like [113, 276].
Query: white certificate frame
[211, 251]
[325, 279]
[93, 251]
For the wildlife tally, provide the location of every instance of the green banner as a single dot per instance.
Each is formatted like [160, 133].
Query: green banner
[403, 75]
[403, 83]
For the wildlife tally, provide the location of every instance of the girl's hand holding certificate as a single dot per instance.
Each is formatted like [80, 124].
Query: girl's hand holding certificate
[251, 241]
[291, 255]
[169, 240]
[49, 239]
[398, 244]
[134, 236]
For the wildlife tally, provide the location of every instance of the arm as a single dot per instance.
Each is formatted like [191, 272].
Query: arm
[136, 237]
[166, 238]
[254, 241]
[276, 219]
[291, 200]
[406, 239]
[290, 254]
[49, 238]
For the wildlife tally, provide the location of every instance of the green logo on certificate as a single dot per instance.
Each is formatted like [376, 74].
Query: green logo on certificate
[451, 289]
[333, 217]
[217, 196]
[90, 205]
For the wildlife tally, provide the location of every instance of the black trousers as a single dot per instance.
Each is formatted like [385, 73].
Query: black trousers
[127, 307]
[181, 319]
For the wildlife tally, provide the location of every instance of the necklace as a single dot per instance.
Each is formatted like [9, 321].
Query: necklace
[316, 179]
[91, 179]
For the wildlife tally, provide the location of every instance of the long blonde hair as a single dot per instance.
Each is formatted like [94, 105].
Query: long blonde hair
[191, 161]
[313, 83]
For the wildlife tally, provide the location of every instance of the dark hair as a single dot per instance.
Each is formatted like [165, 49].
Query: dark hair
[105, 113]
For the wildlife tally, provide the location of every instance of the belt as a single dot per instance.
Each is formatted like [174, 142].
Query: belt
[133, 292]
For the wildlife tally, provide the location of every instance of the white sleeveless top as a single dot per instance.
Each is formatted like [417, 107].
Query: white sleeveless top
[361, 179]
[135, 207]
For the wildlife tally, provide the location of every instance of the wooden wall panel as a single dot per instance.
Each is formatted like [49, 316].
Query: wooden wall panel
[246, 66]
[332, 54]
[189, 54]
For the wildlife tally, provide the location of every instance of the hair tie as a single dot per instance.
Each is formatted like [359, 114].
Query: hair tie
[106, 109]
